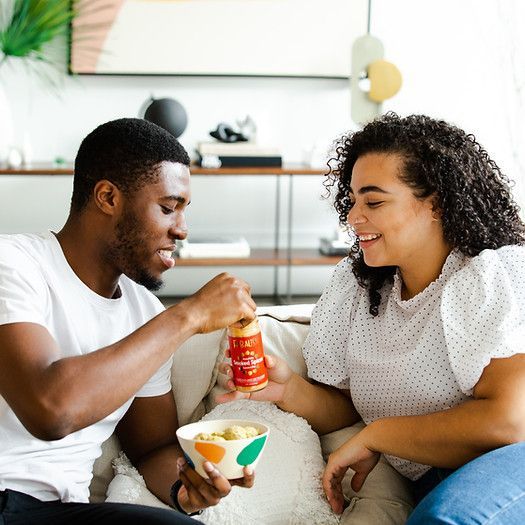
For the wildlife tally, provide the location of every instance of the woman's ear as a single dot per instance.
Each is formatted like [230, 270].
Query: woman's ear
[436, 210]
[107, 197]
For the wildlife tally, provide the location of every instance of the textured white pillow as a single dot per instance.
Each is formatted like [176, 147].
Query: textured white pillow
[287, 488]
[128, 486]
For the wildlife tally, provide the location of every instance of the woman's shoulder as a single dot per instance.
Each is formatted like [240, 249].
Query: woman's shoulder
[489, 277]
[343, 281]
[494, 264]
[507, 254]
[483, 311]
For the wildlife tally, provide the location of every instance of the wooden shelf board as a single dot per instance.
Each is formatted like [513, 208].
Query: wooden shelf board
[268, 257]
[48, 168]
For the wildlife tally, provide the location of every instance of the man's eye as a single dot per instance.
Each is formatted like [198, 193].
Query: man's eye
[374, 204]
[166, 210]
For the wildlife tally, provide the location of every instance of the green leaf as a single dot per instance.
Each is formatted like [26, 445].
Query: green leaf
[33, 24]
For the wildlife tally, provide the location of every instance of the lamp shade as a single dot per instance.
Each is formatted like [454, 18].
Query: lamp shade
[168, 114]
[385, 80]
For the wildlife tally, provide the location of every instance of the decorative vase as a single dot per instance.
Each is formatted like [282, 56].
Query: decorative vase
[6, 126]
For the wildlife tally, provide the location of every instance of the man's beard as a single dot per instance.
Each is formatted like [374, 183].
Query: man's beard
[124, 252]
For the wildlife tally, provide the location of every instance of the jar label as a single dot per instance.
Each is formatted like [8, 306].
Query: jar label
[247, 355]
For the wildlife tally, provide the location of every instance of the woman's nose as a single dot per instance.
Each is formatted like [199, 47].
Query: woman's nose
[355, 216]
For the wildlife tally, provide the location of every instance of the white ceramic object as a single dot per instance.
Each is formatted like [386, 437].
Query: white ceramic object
[14, 158]
[6, 126]
[230, 457]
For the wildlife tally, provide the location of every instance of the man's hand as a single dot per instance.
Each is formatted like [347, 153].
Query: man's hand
[221, 302]
[353, 454]
[279, 376]
[198, 493]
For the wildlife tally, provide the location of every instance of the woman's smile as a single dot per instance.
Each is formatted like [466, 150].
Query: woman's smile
[368, 239]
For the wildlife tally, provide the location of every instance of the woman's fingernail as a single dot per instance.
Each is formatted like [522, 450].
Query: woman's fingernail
[229, 372]
[180, 463]
[249, 471]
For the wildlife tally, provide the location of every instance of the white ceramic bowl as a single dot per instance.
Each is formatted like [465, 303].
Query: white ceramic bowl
[230, 457]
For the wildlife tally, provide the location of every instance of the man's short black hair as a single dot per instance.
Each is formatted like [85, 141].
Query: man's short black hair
[126, 152]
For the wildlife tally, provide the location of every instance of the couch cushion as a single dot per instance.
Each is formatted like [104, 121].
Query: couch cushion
[103, 471]
[386, 496]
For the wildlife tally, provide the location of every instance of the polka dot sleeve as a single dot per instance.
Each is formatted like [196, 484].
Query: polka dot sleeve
[325, 348]
[483, 312]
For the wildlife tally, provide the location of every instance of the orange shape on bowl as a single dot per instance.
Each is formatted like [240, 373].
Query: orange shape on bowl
[210, 451]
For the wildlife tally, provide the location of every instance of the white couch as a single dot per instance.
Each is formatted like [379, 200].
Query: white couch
[288, 488]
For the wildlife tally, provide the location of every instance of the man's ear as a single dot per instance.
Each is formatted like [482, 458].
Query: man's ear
[107, 197]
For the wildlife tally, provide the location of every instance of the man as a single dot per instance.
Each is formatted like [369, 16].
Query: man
[85, 349]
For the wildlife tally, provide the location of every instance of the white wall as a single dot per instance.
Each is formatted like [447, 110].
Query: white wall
[461, 60]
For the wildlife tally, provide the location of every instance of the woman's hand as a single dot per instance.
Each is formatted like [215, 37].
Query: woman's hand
[279, 376]
[353, 454]
[198, 493]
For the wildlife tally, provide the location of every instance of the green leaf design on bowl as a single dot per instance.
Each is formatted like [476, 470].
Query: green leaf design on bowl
[250, 453]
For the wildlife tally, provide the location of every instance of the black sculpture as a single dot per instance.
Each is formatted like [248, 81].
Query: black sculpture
[168, 114]
[225, 133]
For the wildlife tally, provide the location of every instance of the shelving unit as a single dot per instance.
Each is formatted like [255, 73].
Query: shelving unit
[276, 257]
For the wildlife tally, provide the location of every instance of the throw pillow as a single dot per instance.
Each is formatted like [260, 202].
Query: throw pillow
[194, 372]
[287, 488]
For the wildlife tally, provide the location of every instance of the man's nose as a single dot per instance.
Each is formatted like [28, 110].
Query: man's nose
[179, 228]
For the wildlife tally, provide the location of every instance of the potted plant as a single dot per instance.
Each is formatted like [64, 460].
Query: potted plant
[27, 28]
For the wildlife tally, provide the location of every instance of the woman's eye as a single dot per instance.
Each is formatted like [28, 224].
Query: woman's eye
[166, 210]
[373, 204]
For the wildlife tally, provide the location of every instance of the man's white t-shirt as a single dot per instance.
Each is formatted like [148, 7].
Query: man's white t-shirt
[37, 285]
[424, 354]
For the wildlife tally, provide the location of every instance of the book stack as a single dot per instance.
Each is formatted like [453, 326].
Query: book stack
[237, 154]
[333, 246]
[339, 244]
[225, 247]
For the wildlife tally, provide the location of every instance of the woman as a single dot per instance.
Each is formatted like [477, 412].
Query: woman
[420, 331]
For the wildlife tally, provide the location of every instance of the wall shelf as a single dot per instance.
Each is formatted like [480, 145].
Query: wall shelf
[277, 257]
[49, 168]
[265, 257]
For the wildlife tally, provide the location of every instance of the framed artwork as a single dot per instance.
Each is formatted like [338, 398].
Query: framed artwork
[285, 38]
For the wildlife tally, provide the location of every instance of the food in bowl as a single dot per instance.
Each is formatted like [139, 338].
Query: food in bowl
[230, 456]
[228, 434]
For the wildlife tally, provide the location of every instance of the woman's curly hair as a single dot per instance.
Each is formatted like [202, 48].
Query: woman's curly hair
[477, 210]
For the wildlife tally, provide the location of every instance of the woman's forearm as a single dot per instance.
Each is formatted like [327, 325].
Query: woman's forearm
[326, 408]
[448, 438]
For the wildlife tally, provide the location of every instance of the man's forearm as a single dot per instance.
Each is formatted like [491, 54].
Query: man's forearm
[80, 384]
[324, 407]
[159, 470]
